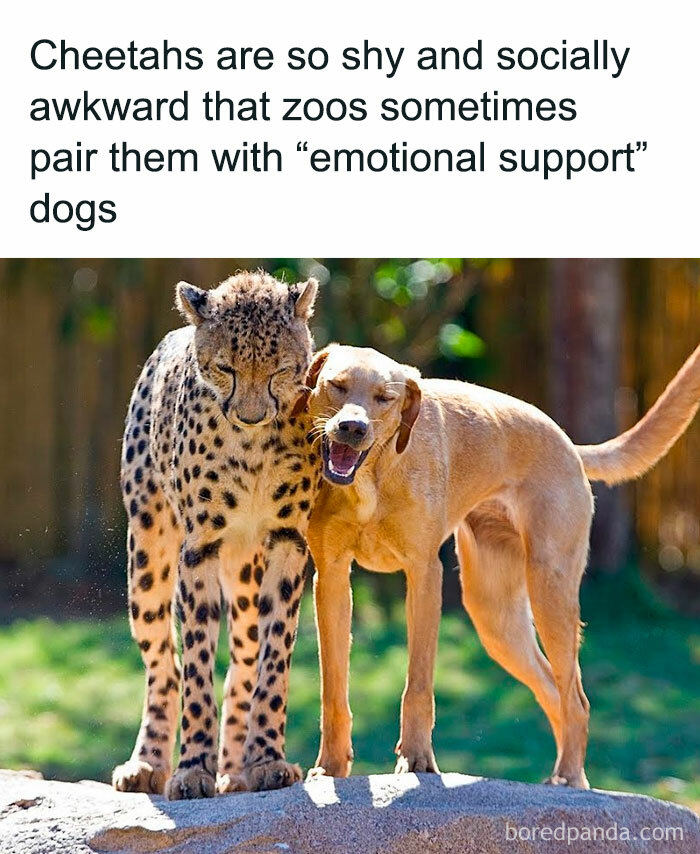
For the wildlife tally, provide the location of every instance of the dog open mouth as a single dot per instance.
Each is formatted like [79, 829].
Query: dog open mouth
[340, 461]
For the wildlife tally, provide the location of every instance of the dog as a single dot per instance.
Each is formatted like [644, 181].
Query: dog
[408, 461]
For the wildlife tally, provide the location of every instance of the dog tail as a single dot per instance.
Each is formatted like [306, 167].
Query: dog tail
[635, 451]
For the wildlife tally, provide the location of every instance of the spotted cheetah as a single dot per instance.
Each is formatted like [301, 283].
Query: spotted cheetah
[218, 476]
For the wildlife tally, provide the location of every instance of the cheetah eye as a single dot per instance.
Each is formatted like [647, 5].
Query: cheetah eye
[225, 369]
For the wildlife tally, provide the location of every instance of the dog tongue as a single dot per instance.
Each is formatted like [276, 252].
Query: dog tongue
[342, 457]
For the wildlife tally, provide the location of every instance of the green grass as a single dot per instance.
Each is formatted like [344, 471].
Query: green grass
[71, 693]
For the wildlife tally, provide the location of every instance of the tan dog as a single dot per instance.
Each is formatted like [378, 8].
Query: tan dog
[407, 462]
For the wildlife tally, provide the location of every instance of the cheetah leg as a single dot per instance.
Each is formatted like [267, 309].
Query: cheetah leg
[152, 564]
[199, 609]
[278, 612]
[242, 590]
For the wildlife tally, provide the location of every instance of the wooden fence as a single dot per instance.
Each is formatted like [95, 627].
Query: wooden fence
[74, 333]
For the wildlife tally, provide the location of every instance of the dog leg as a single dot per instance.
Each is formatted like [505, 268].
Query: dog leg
[333, 604]
[495, 596]
[555, 607]
[423, 604]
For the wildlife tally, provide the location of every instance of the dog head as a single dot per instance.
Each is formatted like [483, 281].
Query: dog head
[359, 400]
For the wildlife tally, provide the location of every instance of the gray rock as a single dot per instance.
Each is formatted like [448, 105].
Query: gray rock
[408, 814]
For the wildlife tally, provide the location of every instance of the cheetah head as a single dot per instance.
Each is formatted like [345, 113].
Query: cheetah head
[252, 343]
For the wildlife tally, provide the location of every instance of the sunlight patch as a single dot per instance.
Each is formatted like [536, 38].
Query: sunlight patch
[384, 793]
[321, 790]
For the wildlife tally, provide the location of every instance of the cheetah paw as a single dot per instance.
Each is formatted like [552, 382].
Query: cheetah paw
[138, 776]
[229, 783]
[272, 775]
[188, 783]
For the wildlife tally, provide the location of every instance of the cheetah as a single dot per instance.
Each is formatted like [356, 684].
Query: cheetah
[218, 476]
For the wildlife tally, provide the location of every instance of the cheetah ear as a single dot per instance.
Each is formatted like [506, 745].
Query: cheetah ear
[304, 296]
[192, 302]
[317, 363]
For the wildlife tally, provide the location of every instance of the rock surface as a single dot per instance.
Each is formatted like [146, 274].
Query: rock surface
[384, 813]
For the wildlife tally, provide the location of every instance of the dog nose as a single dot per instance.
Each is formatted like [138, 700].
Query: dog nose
[353, 428]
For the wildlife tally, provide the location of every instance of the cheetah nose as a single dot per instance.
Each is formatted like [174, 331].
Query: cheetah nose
[251, 421]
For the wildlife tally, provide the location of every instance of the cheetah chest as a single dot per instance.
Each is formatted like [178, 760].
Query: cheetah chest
[241, 484]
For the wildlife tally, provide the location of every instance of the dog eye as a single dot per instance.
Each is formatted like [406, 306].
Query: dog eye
[338, 387]
[381, 398]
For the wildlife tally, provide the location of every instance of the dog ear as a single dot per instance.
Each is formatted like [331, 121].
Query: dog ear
[317, 363]
[192, 303]
[409, 413]
[304, 296]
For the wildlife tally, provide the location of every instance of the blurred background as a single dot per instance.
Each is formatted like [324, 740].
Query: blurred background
[592, 342]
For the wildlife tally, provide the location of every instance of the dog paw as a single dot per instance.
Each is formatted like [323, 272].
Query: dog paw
[327, 771]
[316, 772]
[229, 783]
[272, 775]
[330, 767]
[577, 781]
[420, 762]
[189, 783]
[138, 776]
